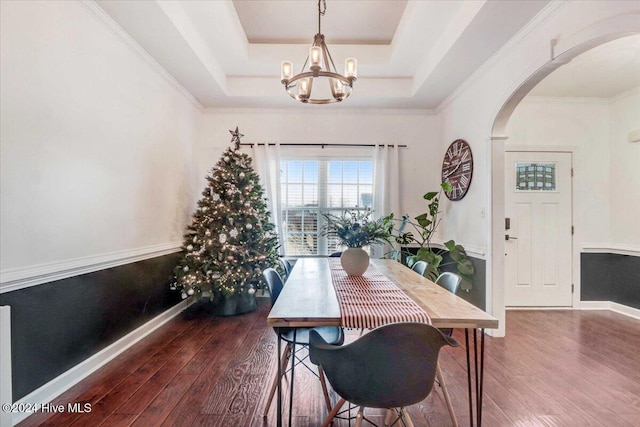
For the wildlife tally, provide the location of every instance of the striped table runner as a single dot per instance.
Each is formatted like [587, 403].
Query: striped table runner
[372, 300]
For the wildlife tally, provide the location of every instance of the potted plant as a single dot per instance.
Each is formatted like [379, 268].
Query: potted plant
[355, 229]
[423, 228]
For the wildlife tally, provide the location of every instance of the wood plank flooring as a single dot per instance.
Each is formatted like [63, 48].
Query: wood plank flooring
[554, 368]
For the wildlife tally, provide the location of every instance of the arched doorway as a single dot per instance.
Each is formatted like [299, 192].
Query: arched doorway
[568, 49]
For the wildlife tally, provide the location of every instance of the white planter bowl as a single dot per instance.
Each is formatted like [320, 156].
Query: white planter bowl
[355, 261]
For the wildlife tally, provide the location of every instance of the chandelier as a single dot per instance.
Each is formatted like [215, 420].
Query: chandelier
[321, 69]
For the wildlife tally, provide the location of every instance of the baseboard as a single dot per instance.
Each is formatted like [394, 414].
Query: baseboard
[60, 384]
[610, 305]
[591, 305]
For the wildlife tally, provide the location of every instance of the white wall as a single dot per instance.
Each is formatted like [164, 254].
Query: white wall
[96, 142]
[415, 128]
[625, 170]
[581, 126]
[470, 113]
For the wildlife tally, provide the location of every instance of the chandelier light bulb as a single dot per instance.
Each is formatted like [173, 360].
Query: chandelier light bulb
[305, 88]
[315, 57]
[338, 89]
[286, 71]
[351, 67]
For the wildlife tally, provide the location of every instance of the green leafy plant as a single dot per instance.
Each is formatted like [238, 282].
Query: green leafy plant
[355, 228]
[419, 232]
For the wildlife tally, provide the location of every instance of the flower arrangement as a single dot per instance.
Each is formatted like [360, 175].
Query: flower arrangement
[355, 228]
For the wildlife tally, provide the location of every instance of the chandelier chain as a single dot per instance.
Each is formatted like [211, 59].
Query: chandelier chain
[321, 11]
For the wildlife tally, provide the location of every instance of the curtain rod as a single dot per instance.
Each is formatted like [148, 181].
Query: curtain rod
[319, 144]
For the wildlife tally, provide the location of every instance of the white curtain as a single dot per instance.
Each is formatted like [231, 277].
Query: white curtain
[386, 188]
[267, 161]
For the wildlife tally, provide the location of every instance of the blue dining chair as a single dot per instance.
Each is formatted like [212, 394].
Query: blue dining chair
[296, 339]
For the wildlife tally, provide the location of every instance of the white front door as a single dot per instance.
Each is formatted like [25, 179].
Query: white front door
[538, 270]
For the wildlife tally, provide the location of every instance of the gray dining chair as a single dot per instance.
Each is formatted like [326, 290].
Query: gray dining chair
[392, 367]
[296, 339]
[420, 267]
[449, 281]
[286, 267]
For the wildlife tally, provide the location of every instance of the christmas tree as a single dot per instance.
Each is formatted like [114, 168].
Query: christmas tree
[230, 240]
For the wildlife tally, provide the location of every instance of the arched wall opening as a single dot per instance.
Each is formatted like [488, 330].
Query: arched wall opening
[562, 52]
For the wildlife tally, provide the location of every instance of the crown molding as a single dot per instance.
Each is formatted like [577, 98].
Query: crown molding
[143, 54]
[551, 9]
[322, 111]
[25, 277]
[564, 100]
[634, 91]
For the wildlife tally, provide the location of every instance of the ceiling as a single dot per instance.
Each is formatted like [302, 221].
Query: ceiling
[411, 54]
[602, 72]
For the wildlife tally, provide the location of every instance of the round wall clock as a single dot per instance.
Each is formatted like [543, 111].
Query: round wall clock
[457, 168]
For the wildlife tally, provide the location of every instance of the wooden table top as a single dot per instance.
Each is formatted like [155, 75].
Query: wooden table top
[309, 299]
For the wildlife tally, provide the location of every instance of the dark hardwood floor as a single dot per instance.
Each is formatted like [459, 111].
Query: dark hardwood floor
[554, 368]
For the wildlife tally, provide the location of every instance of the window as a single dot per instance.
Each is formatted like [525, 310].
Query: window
[309, 187]
[535, 177]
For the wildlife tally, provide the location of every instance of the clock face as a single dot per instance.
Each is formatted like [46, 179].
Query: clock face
[457, 168]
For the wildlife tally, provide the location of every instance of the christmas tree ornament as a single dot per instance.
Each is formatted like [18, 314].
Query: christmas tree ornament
[232, 202]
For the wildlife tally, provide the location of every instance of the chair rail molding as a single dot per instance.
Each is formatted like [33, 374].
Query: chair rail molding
[24, 277]
[473, 251]
[613, 248]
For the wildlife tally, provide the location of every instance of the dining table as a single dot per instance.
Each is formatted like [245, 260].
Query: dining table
[310, 299]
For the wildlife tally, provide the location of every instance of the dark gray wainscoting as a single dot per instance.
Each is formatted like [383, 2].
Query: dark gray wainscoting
[477, 295]
[57, 325]
[610, 277]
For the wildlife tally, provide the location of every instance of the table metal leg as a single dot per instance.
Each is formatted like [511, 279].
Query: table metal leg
[478, 372]
[293, 365]
[466, 340]
[481, 377]
[279, 399]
